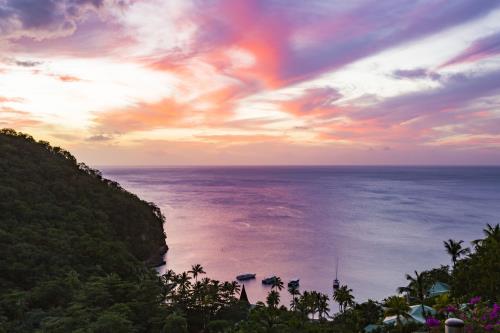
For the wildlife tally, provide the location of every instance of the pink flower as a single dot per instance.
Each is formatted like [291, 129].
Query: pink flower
[432, 322]
[488, 327]
[475, 300]
[451, 309]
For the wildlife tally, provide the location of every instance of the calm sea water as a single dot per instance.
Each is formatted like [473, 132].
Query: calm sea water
[381, 222]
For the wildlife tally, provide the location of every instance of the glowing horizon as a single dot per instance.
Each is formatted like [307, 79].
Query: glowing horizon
[124, 82]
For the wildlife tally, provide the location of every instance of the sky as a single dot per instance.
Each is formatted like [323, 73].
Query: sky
[251, 82]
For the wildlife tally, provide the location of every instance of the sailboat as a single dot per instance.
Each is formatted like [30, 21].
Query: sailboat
[336, 282]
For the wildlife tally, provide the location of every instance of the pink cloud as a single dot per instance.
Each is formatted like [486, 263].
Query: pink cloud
[317, 102]
[334, 38]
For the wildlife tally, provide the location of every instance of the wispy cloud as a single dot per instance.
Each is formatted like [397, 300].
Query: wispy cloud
[479, 49]
[416, 73]
[251, 73]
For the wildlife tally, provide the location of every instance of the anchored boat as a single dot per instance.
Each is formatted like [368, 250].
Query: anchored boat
[336, 282]
[269, 280]
[245, 277]
[293, 283]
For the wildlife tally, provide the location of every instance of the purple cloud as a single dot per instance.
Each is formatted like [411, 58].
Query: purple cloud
[99, 138]
[416, 73]
[479, 49]
[28, 63]
[378, 25]
[42, 19]
[456, 93]
[294, 42]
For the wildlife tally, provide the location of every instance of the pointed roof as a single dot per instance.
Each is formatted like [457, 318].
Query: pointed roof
[438, 288]
[243, 295]
[415, 313]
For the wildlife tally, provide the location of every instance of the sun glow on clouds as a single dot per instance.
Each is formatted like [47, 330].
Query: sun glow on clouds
[72, 91]
[249, 82]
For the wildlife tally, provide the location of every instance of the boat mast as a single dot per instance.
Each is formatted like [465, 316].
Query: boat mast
[337, 268]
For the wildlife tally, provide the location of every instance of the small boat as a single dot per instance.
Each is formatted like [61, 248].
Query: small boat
[269, 280]
[336, 282]
[293, 283]
[245, 277]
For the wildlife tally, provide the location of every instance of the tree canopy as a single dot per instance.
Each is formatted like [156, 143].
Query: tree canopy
[74, 247]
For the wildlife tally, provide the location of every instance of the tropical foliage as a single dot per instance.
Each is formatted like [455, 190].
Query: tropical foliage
[478, 274]
[455, 250]
[76, 252]
[74, 247]
[397, 306]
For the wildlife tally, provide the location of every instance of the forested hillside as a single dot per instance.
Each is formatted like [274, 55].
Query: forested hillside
[74, 247]
[75, 252]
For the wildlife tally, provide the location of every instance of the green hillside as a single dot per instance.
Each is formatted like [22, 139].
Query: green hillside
[76, 252]
[74, 247]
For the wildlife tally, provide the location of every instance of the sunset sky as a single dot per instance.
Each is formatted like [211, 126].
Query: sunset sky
[155, 82]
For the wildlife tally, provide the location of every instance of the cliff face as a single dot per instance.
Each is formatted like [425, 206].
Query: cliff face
[58, 215]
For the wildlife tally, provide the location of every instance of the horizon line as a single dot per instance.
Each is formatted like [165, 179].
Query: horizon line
[152, 166]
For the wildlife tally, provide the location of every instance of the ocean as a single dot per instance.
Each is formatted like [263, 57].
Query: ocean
[296, 222]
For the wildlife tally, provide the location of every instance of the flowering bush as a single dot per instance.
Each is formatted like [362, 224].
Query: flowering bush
[478, 316]
[433, 324]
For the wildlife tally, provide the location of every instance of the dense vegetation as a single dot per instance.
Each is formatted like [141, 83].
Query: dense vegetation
[210, 306]
[74, 247]
[75, 250]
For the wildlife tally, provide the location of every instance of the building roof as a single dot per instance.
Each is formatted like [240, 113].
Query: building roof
[415, 313]
[243, 295]
[438, 288]
[370, 328]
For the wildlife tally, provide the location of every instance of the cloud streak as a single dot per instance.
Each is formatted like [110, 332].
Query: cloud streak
[480, 49]
[363, 74]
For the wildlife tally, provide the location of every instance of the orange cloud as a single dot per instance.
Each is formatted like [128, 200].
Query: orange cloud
[11, 118]
[233, 139]
[142, 116]
[4, 99]
[68, 78]
[210, 109]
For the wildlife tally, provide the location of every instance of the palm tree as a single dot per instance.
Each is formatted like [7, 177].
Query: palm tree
[455, 250]
[196, 270]
[229, 290]
[343, 297]
[491, 233]
[313, 302]
[294, 291]
[305, 304]
[168, 276]
[277, 284]
[183, 282]
[235, 287]
[323, 307]
[168, 284]
[397, 306]
[416, 287]
[273, 299]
